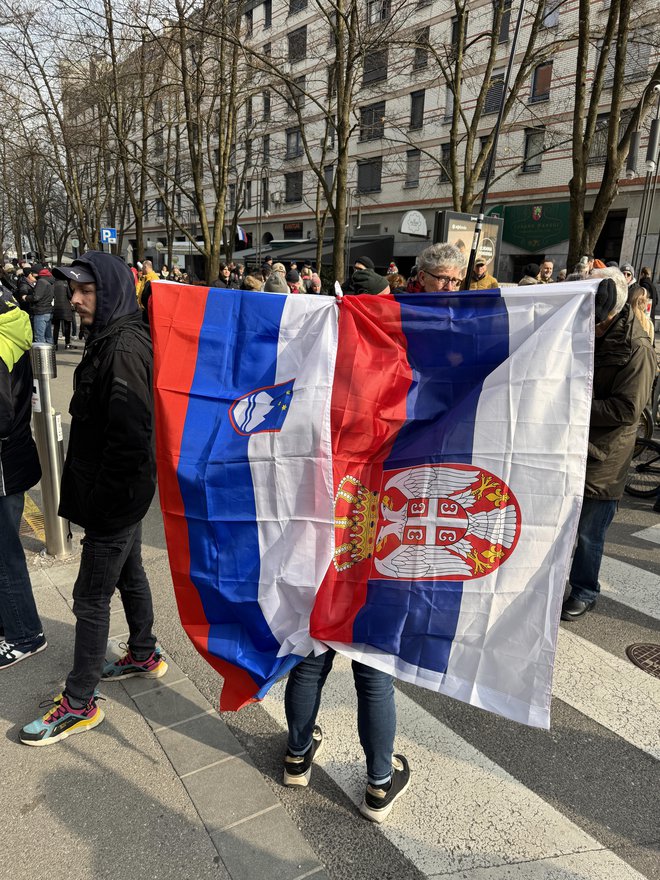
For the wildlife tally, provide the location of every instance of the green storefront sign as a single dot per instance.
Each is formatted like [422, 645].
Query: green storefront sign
[535, 227]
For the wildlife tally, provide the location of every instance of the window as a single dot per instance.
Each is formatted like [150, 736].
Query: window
[231, 193]
[375, 67]
[232, 157]
[268, 13]
[505, 22]
[377, 11]
[417, 109]
[453, 39]
[332, 33]
[598, 147]
[266, 106]
[551, 13]
[332, 80]
[294, 145]
[265, 152]
[495, 92]
[160, 209]
[329, 175]
[541, 81]
[372, 121]
[293, 182]
[248, 153]
[160, 175]
[449, 103]
[297, 6]
[248, 194]
[421, 57]
[145, 212]
[292, 230]
[483, 140]
[249, 23]
[248, 113]
[267, 50]
[369, 172]
[158, 141]
[638, 56]
[413, 162]
[445, 163]
[298, 93]
[534, 146]
[178, 204]
[264, 194]
[298, 44]
[330, 134]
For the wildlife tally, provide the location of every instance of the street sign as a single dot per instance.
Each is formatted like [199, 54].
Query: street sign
[108, 235]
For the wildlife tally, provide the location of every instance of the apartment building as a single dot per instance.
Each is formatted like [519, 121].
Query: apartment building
[401, 113]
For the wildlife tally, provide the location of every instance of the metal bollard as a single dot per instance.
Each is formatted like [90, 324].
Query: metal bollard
[50, 446]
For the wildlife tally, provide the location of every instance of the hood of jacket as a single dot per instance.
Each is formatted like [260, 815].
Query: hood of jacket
[15, 331]
[115, 288]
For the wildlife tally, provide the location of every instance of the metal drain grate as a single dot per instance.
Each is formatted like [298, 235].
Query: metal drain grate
[32, 523]
[647, 657]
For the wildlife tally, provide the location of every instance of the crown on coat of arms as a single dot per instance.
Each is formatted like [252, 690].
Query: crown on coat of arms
[356, 515]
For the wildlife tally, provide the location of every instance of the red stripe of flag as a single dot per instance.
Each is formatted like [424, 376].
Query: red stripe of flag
[369, 397]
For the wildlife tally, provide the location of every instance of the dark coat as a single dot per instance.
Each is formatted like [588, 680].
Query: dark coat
[41, 298]
[109, 474]
[62, 307]
[19, 462]
[624, 368]
[652, 293]
[24, 290]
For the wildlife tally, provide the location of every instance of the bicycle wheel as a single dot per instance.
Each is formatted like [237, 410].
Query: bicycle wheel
[644, 430]
[644, 473]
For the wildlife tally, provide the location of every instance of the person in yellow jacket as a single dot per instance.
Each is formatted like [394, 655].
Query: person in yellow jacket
[481, 280]
[147, 274]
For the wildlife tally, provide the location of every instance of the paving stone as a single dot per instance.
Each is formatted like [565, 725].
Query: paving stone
[267, 847]
[228, 792]
[198, 743]
[168, 705]
[139, 685]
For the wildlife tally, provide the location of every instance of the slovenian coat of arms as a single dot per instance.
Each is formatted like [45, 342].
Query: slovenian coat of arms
[430, 522]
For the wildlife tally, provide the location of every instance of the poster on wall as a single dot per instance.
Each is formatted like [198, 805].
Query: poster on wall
[458, 229]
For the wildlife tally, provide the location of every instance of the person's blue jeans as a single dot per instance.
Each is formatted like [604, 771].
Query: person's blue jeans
[19, 618]
[43, 328]
[376, 712]
[108, 561]
[594, 521]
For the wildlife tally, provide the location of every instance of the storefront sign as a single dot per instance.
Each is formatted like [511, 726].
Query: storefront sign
[535, 227]
[414, 223]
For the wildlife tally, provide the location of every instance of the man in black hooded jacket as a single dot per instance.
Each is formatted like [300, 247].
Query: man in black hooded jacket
[108, 483]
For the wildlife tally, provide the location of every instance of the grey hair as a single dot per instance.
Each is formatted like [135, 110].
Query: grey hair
[621, 286]
[440, 255]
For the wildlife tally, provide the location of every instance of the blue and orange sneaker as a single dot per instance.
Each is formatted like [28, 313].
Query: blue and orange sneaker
[60, 721]
[127, 666]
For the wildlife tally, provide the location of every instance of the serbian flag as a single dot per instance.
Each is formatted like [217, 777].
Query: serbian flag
[396, 477]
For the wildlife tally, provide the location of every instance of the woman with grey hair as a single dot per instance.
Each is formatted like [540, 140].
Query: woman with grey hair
[440, 267]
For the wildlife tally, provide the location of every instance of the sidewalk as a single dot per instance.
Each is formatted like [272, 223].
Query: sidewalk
[161, 789]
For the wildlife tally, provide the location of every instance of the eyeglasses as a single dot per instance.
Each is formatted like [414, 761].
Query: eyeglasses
[628, 273]
[445, 280]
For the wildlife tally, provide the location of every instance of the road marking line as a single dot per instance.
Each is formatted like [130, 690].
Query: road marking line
[253, 816]
[650, 534]
[632, 586]
[463, 813]
[212, 764]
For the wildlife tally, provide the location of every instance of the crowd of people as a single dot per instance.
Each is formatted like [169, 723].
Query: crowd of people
[109, 474]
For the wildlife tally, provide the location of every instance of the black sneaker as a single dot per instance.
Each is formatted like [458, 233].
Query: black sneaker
[11, 653]
[378, 801]
[298, 768]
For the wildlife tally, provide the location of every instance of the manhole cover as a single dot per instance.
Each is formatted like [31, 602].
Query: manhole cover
[647, 657]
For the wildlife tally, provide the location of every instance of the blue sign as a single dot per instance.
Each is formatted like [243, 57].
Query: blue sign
[108, 235]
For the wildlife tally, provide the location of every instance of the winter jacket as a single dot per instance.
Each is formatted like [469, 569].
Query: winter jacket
[62, 307]
[624, 367]
[485, 283]
[19, 462]
[24, 290]
[41, 298]
[109, 475]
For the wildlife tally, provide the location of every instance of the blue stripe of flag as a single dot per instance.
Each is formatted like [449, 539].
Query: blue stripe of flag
[454, 343]
[237, 353]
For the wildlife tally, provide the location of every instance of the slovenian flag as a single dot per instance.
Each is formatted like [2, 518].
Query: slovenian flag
[397, 477]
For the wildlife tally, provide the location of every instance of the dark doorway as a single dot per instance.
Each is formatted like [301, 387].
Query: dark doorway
[608, 246]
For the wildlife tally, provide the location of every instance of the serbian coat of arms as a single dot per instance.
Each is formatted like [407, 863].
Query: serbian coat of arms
[430, 522]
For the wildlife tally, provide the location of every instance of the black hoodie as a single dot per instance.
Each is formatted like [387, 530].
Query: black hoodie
[109, 473]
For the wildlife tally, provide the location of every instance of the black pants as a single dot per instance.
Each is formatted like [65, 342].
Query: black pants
[66, 330]
[108, 561]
